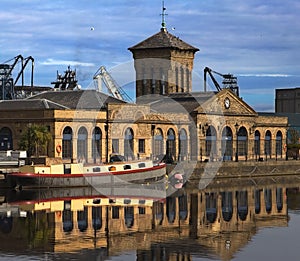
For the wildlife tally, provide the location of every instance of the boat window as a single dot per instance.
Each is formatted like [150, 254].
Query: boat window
[142, 165]
[127, 201]
[96, 169]
[142, 201]
[96, 201]
[112, 168]
[127, 167]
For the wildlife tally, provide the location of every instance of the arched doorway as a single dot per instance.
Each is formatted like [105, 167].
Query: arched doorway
[170, 146]
[128, 144]
[158, 144]
[67, 143]
[257, 144]
[242, 136]
[6, 141]
[227, 143]
[182, 150]
[97, 144]
[211, 142]
[268, 144]
[279, 144]
[82, 144]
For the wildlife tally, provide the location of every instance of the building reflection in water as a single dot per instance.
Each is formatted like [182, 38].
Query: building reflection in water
[217, 221]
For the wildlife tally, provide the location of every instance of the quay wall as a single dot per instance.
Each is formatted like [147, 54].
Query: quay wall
[247, 168]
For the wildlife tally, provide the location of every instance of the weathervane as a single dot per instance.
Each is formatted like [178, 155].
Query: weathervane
[163, 14]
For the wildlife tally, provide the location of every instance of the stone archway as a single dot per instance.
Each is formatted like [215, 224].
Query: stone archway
[171, 144]
[128, 144]
[82, 144]
[67, 143]
[211, 142]
[97, 144]
[226, 145]
[183, 148]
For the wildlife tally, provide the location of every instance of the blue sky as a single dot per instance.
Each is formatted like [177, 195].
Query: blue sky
[257, 41]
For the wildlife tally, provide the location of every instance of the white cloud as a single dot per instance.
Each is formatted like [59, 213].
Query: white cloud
[265, 75]
[65, 62]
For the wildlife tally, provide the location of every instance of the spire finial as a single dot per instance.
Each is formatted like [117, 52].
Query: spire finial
[163, 14]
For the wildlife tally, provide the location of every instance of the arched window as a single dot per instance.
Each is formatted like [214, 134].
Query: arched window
[279, 199]
[6, 141]
[242, 141]
[171, 149]
[211, 142]
[257, 200]
[162, 82]
[257, 143]
[128, 144]
[158, 210]
[129, 216]
[67, 217]
[279, 144]
[268, 200]
[188, 74]
[177, 79]
[144, 82]
[82, 219]
[153, 82]
[268, 143]
[227, 205]
[182, 80]
[97, 144]
[97, 217]
[182, 150]
[242, 204]
[82, 144]
[171, 209]
[183, 207]
[158, 143]
[227, 143]
[67, 143]
[211, 206]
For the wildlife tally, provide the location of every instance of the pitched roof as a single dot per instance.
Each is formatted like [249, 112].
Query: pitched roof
[78, 99]
[163, 39]
[29, 104]
[176, 102]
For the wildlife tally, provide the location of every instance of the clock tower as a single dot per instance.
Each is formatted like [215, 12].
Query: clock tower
[163, 63]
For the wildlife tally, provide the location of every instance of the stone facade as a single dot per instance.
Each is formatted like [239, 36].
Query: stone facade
[167, 119]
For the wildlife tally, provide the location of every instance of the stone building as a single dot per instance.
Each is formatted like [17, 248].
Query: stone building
[167, 118]
[287, 100]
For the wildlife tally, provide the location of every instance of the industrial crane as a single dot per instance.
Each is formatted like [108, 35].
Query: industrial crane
[7, 84]
[114, 89]
[229, 81]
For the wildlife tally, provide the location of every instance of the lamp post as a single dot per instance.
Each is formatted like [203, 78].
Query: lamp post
[236, 149]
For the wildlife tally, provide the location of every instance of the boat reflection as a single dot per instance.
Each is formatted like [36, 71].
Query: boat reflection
[217, 221]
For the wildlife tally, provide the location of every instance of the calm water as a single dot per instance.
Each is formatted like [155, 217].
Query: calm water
[238, 219]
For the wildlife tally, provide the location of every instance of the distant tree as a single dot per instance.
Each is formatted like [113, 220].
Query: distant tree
[35, 140]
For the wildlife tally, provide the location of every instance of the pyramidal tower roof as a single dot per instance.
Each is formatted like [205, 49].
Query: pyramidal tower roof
[163, 39]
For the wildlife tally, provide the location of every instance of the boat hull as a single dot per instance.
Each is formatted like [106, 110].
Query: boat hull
[29, 180]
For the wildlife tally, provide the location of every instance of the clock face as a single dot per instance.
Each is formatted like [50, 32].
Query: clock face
[227, 103]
